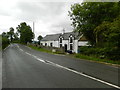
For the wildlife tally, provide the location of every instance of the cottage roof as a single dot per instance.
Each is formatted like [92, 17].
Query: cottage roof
[51, 37]
[67, 35]
[56, 36]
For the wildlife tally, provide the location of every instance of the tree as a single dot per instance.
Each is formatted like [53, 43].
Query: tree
[102, 32]
[88, 15]
[4, 41]
[25, 31]
[108, 32]
[40, 38]
[11, 33]
[16, 36]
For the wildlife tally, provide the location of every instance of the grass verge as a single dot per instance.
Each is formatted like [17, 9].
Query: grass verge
[93, 58]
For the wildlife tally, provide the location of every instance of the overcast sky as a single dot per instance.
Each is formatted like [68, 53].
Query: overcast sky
[50, 16]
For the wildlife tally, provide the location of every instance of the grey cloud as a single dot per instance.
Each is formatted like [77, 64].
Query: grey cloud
[38, 11]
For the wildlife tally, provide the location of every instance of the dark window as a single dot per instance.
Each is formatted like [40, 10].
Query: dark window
[45, 44]
[51, 44]
[60, 45]
[41, 43]
[71, 46]
[60, 40]
[71, 40]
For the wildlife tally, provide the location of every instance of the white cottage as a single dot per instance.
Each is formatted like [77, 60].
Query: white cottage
[70, 41]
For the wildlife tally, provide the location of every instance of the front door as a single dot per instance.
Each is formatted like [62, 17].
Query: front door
[65, 47]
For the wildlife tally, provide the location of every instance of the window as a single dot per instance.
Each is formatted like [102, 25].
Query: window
[45, 44]
[41, 43]
[60, 40]
[71, 46]
[71, 40]
[60, 45]
[51, 44]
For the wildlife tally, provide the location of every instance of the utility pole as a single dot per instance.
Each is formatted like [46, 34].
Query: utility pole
[63, 30]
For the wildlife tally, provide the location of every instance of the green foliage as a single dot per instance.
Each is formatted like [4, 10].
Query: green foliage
[26, 34]
[100, 24]
[93, 58]
[88, 15]
[107, 52]
[0, 42]
[40, 38]
[11, 33]
[108, 33]
[5, 42]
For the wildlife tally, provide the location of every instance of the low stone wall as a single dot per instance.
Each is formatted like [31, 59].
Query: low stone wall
[54, 49]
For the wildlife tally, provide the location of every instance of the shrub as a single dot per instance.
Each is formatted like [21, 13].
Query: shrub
[5, 42]
[106, 52]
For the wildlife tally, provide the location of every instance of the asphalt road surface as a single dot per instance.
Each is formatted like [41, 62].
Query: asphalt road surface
[24, 67]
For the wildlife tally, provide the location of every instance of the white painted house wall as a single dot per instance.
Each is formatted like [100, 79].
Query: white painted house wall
[65, 40]
[55, 43]
[82, 43]
[75, 46]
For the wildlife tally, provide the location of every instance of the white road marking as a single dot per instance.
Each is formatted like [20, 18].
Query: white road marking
[21, 49]
[28, 53]
[7, 47]
[79, 73]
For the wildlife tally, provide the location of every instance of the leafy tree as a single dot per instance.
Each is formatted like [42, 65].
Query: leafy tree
[0, 42]
[16, 39]
[40, 38]
[11, 33]
[4, 34]
[102, 31]
[108, 32]
[4, 40]
[25, 31]
[88, 15]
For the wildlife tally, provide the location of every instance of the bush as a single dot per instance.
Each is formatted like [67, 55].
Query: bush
[113, 53]
[5, 42]
[107, 52]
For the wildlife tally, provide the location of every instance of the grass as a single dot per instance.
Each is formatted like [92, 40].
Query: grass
[81, 56]
[93, 58]
[39, 49]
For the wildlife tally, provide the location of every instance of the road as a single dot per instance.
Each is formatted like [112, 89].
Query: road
[24, 67]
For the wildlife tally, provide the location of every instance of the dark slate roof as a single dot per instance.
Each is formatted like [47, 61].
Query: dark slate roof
[51, 37]
[66, 35]
[56, 36]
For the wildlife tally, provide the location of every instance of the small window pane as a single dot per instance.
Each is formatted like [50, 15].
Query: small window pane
[51, 44]
[71, 40]
[45, 44]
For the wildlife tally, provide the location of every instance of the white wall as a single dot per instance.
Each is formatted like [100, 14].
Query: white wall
[82, 43]
[65, 42]
[55, 43]
[75, 46]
